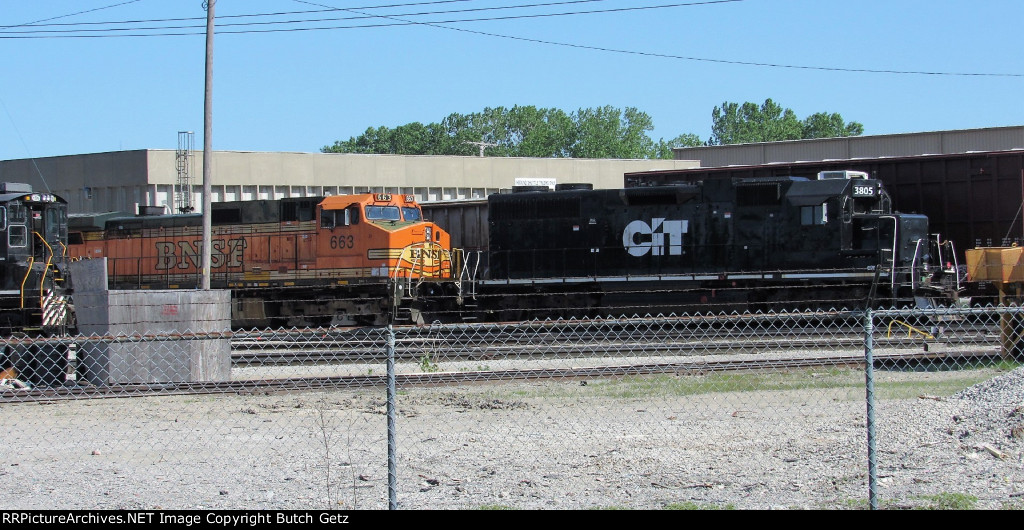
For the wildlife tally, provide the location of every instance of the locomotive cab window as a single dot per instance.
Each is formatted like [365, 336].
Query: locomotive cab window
[53, 224]
[382, 213]
[16, 214]
[327, 219]
[17, 232]
[412, 214]
[3, 218]
[16, 236]
[332, 218]
[813, 215]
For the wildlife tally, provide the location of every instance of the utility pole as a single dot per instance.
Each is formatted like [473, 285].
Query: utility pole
[482, 145]
[207, 148]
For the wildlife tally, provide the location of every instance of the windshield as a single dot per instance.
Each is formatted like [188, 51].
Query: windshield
[412, 214]
[385, 213]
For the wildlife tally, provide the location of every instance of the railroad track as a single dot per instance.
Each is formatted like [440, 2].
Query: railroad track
[296, 384]
[539, 350]
[248, 352]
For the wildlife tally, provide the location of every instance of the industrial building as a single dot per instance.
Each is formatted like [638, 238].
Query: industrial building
[170, 181]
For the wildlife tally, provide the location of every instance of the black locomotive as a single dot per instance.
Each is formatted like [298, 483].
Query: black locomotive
[33, 265]
[34, 284]
[723, 244]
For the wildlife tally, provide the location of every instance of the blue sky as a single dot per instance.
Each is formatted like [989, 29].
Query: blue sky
[300, 87]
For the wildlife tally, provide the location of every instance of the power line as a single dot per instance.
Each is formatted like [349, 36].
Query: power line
[690, 58]
[200, 22]
[71, 14]
[397, 21]
[37, 24]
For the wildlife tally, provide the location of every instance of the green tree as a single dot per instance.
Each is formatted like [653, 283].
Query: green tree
[825, 125]
[521, 131]
[739, 124]
[524, 131]
[601, 132]
[540, 133]
[769, 122]
[664, 149]
[411, 138]
[607, 132]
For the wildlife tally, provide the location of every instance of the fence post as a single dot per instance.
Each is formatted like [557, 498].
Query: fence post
[392, 463]
[869, 381]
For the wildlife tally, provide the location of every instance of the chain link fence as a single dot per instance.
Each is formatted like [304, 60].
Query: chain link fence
[833, 409]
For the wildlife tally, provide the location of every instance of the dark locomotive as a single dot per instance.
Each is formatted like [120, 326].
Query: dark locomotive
[719, 245]
[33, 276]
[34, 283]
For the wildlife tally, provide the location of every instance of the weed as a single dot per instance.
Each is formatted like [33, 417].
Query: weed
[427, 364]
[950, 501]
[326, 430]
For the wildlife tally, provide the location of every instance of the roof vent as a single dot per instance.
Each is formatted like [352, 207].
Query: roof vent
[845, 174]
[15, 187]
[518, 189]
[574, 186]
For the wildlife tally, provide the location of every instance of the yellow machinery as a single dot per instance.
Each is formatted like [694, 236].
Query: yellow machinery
[1004, 267]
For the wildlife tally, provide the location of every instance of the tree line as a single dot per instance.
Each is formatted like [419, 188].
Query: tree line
[602, 132]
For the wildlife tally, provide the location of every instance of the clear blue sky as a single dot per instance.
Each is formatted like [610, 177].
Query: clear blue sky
[285, 83]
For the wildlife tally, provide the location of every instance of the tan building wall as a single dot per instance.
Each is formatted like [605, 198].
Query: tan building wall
[124, 180]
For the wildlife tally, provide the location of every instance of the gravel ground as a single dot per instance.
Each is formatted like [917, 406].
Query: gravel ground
[544, 445]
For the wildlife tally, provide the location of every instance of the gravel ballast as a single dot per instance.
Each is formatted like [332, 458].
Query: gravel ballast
[525, 445]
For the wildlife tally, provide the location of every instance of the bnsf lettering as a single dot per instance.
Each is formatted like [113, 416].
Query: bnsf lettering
[430, 254]
[185, 254]
[640, 238]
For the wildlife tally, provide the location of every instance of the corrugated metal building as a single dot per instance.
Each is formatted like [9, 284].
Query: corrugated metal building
[857, 147]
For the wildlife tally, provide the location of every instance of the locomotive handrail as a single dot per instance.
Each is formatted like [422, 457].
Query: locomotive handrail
[939, 243]
[913, 263]
[418, 263]
[895, 238]
[956, 264]
[465, 274]
[46, 269]
[28, 272]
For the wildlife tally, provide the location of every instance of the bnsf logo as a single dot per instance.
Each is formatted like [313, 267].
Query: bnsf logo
[191, 255]
[639, 238]
[429, 254]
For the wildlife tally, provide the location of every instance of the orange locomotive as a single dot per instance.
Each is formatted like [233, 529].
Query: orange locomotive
[363, 259]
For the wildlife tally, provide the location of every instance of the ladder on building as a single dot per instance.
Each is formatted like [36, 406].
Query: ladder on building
[185, 161]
